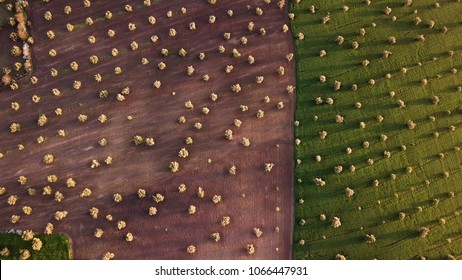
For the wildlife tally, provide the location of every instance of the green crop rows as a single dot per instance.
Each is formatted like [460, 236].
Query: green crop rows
[392, 130]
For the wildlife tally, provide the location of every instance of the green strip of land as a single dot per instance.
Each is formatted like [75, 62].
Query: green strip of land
[54, 247]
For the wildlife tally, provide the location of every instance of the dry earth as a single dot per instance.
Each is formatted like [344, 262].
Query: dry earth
[252, 198]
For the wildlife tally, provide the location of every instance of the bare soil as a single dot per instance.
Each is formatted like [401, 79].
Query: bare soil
[250, 198]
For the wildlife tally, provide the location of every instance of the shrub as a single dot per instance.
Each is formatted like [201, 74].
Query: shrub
[198, 125]
[370, 238]
[423, 232]
[154, 38]
[24, 254]
[250, 59]
[158, 198]
[245, 142]
[141, 193]
[212, 19]
[232, 170]
[102, 142]
[48, 159]
[49, 228]
[129, 237]
[401, 103]
[47, 190]
[52, 178]
[410, 124]
[36, 244]
[216, 199]
[121, 224]
[58, 111]
[59, 215]
[22, 180]
[94, 164]
[117, 197]
[349, 192]
[200, 193]
[386, 54]
[85, 193]
[15, 219]
[150, 141]
[192, 209]
[259, 79]
[215, 236]
[98, 233]
[161, 65]
[269, 167]
[152, 211]
[183, 153]
[138, 139]
[257, 232]
[51, 35]
[250, 249]
[191, 249]
[94, 212]
[15, 127]
[355, 45]
[236, 88]
[134, 45]
[157, 84]
[225, 220]
[319, 182]
[131, 26]
[108, 256]
[12, 199]
[182, 120]
[182, 188]
[205, 110]
[260, 114]
[59, 196]
[335, 222]
[27, 235]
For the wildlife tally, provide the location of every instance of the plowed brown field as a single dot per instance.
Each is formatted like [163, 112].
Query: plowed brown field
[252, 198]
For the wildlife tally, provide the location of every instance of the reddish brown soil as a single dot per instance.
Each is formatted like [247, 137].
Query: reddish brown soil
[250, 197]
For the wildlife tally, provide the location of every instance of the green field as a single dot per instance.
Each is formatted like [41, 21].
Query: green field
[416, 164]
[55, 247]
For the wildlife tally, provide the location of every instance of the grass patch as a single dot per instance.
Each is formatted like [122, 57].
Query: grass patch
[55, 247]
[416, 171]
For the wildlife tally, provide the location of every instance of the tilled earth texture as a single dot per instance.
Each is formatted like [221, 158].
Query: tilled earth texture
[173, 192]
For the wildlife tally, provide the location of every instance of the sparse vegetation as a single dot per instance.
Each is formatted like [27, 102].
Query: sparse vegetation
[91, 101]
[384, 134]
